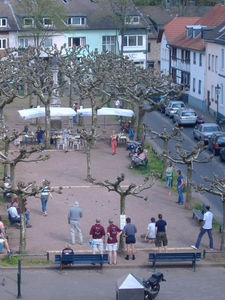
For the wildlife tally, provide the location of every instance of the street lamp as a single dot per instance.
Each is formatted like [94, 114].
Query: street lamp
[217, 90]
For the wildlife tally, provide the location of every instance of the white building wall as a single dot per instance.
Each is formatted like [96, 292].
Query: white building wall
[221, 80]
[164, 56]
[197, 94]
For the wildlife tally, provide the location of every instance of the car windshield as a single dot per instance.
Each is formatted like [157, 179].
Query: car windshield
[211, 129]
[178, 105]
[221, 139]
[188, 114]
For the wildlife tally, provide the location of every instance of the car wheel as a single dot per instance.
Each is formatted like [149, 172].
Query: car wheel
[169, 116]
[215, 153]
[221, 158]
[174, 121]
[194, 136]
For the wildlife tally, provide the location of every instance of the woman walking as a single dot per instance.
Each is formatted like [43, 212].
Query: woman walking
[45, 193]
[169, 176]
[113, 142]
[180, 185]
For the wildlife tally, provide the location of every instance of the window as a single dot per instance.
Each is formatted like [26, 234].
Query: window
[28, 21]
[187, 57]
[149, 47]
[3, 43]
[133, 40]
[216, 64]
[23, 43]
[182, 55]
[109, 43]
[194, 57]
[199, 86]
[3, 22]
[212, 92]
[200, 59]
[209, 61]
[221, 94]
[76, 21]
[47, 22]
[213, 63]
[194, 82]
[132, 20]
[174, 53]
[77, 41]
[222, 58]
[48, 42]
[174, 74]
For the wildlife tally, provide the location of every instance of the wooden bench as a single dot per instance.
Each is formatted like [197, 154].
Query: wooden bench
[174, 257]
[143, 164]
[67, 259]
[199, 214]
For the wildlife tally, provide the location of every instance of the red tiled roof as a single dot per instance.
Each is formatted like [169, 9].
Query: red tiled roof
[175, 27]
[214, 17]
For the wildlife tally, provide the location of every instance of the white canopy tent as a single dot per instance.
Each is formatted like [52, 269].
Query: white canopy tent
[106, 111]
[39, 112]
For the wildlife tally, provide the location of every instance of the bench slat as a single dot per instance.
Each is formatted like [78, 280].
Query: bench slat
[175, 257]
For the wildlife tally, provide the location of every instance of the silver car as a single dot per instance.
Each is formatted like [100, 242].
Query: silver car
[185, 116]
[203, 132]
[173, 107]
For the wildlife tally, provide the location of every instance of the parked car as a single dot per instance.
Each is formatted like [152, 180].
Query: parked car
[185, 116]
[203, 132]
[217, 142]
[222, 154]
[173, 107]
[200, 120]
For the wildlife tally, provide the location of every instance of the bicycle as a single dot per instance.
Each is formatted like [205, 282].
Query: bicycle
[122, 128]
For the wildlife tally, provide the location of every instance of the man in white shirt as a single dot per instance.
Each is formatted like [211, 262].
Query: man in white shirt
[15, 216]
[206, 226]
[150, 234]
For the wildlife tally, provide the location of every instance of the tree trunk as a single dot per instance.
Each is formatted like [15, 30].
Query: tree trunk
[122, 212]
[22, 247]
[2, 124]
[94, 120]
[47, 126]
[165, 147]
[80, 118]
[12, 174]
[71, 94]
[222, 247]
[141, 116]
[89, 178]
[188, 193]
[6, 154]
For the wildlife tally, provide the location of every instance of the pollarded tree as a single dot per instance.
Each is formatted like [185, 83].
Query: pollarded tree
[217, 187]
[88, 136]
[24, 190]
[133, 189]
[175, 134]
[39, 72]
[139, 86]
[188, 158]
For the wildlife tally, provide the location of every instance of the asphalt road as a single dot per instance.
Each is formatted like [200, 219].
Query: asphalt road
[156, 119]
[74, 284]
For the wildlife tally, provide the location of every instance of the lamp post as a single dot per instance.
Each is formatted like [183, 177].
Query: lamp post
[217, 90]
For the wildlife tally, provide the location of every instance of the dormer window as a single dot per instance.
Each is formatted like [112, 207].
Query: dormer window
[28, 22]
[3, 22]
[47, 22]
[132, 20]
[76, 21]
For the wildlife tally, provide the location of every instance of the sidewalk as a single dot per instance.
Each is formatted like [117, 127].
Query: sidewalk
[51, 233]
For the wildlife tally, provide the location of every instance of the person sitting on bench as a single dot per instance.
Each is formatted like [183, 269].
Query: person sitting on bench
[3, 241]
[15, 216]
[67, 250]
[139, 159]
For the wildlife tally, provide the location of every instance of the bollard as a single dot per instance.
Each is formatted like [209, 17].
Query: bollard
[19, 280]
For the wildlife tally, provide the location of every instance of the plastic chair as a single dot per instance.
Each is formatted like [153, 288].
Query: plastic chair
[60, 143]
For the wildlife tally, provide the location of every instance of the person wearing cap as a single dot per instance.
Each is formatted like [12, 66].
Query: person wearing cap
[97, 233]
[113, 232]
[150, 234]
[74, 215]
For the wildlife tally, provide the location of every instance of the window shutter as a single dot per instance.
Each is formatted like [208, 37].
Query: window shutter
[69, 42]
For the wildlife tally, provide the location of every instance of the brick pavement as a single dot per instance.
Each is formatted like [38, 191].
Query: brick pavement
[69, 170]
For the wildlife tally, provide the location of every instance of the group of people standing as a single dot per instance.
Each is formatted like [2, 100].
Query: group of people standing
[179, 185]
